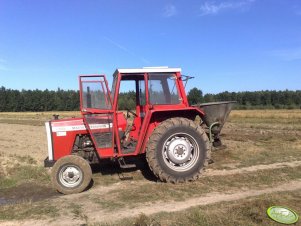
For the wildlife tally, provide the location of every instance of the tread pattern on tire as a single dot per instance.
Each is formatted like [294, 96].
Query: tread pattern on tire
[76, 160]
[153, 141]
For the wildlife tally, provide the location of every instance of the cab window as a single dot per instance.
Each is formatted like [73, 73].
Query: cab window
[163, 89]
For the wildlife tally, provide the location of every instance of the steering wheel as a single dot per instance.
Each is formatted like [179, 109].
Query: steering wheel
[130, 111]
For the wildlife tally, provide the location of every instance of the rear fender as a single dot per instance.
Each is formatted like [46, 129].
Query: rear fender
[159, 116]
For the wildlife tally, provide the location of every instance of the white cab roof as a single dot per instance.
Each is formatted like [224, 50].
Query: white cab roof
[148, 70]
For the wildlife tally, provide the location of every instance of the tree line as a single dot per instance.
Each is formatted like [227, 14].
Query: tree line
[68, 100]
[269, 99]
[37, 100]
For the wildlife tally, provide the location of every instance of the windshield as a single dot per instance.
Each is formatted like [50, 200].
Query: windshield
[94, 93]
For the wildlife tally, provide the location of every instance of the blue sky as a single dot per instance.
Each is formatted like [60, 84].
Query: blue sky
[233, 45]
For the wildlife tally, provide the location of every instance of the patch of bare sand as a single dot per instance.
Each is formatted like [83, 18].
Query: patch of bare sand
[210, 172]
[23, 140]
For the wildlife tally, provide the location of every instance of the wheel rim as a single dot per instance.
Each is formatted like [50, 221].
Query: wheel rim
[180, 152]
[70, 176]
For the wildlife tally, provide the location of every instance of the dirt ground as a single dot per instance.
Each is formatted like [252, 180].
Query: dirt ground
[23, 140]
[262, 155]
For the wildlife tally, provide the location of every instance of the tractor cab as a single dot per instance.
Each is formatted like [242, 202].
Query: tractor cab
[117, 122]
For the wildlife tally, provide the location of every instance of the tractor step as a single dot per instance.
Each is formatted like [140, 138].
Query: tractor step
[123, 164]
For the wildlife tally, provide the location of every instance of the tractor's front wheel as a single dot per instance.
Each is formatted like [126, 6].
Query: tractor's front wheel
[71, 174]
[178, 150]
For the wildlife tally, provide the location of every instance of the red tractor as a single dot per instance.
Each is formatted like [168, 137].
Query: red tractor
[163, 128]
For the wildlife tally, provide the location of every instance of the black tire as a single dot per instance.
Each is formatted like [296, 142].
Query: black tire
[71, 174]
[169, 142]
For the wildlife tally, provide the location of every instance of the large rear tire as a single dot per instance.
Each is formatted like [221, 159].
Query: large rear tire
[178, 150]
[71, 174]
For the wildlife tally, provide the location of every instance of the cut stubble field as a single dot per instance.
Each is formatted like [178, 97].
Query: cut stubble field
[259, 166]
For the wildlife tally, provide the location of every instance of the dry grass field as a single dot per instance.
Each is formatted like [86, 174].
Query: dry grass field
[259, 166]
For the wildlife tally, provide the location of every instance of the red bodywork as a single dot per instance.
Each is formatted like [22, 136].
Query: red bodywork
[105, 124]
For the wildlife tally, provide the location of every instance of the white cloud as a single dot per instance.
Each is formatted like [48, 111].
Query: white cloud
[287, 54]
[213, 8]
[170, 10]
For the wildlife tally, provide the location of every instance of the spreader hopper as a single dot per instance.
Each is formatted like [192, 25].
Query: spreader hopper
[216, 114]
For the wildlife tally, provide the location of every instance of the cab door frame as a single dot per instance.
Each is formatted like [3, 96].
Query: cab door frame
[98, 121]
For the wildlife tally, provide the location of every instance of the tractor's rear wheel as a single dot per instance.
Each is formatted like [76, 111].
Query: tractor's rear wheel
[178, 150]
[71, 174]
